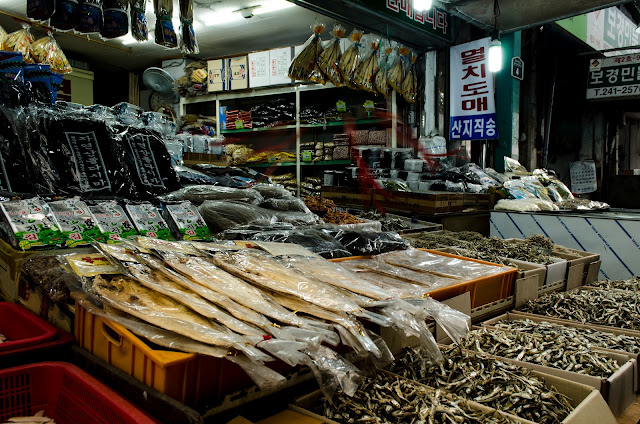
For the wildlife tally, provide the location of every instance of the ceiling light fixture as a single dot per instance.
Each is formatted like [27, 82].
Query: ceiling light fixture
[272, 6]
[495, 48]
[219, 17]
[422, 5]
[128, 39]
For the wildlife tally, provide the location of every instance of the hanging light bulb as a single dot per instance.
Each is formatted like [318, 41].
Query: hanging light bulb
[495, 55]
[422, 5]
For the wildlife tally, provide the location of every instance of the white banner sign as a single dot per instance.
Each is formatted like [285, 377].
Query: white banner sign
[614, 77]
[473, 112]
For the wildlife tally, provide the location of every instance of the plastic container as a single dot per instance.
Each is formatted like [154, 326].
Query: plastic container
[483, 290]
[66, 393]
[57, 349]
[22, 328]
[186, 377]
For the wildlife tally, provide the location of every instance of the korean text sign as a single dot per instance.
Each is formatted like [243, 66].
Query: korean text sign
[614, 77]
[473, 112]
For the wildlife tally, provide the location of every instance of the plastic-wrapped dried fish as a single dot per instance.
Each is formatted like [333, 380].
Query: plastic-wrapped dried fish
[329, 59]
[604, 307]
[485, 380]
[561, 352]
[586, 336]
[389, 399]
[37, 418]
[351, 59]
[305, 66]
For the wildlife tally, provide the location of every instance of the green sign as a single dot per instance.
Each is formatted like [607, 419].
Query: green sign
[341, 106]
[434, 21]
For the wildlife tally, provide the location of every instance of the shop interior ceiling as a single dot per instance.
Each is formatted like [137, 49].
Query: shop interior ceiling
[220, 28]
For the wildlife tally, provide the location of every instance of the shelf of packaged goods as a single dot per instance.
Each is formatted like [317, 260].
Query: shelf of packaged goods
[320, 163]
[325, 125]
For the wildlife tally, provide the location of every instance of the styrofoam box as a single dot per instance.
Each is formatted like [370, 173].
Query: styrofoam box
[258, 69]
[556, 271]
[414, 185]
[414, 165]
[413, 176]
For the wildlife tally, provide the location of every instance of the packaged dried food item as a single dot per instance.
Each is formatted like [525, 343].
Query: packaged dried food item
[113, 222]
[139, 29]
[115, 19]
[37, 81]
[90, 18]
[305, 66]
[188, 42]
[40, 10]
[186, 222]
[45, 271]
[29, 224]
[387, 55]
[20, 41]
[76, 222]
[351, 59]
[65, 16]
[365, 242]
[364, 77]
[47, 52]
[222, 215]
[3, 34]
[15, 175]
[410, 83]
[329, 59]
[165, 34]
[148, 220]
[396, 71]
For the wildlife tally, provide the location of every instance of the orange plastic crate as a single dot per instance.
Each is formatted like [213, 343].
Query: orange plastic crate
[483, 290]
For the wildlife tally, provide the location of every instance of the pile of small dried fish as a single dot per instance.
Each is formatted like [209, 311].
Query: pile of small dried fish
[3, 338]
[341, 218]
[540, 241]
[388, 399]
[38, 418]
[604, 307]
[393, 224]
[630, 284]
[434, 241]
[559, 352]
[319, 204]
[481, 379]
[585, 336]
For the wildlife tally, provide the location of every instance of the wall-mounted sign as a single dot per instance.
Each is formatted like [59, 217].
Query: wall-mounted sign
[613, 77]
[517, 68]
[473, 112]
[603, 29]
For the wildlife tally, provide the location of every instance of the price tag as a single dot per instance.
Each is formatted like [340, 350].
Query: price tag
[272, 158]
[307, 156]
[369, 106]
[239, 124]
[341, 106]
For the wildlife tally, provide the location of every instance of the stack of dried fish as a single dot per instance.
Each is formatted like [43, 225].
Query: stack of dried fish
[388, 399]
[586, 336]
[305, 66]
[37, 418]
[364, 77]
[3, 338]
[629, 284]
[351, 59]
[329, 59]
[604, 307]
[497, 384]
[559, 352]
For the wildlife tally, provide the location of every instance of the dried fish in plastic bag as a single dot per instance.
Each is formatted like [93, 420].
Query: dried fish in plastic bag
[351, 59]
[410, 83]
[329, 59]
[165, 34]
[381, 84]
[139, 29]
[364, 77]
[188, 42]
[396, 71]
[305, 66]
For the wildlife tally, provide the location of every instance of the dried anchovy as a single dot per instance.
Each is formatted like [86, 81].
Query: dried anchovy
[433, 241]
[560, 353]
[604, 307]
[586, 336]
[468, 236]
[497, 384]
[629, 284]
[540, 241]
[387, 399]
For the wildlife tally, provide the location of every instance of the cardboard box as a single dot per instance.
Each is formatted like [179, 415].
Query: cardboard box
[279, 62]
[618, 389]
[237, 73]
[515, 316]
[217, 79]
[290, 417]
[429, 203]
[259, 69]
[347, 196]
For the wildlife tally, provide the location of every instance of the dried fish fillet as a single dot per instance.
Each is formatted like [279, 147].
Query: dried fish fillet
[365, 74]
[305, 66]
[329, 59]
[351, 59]
[410, 83]
[396, 71]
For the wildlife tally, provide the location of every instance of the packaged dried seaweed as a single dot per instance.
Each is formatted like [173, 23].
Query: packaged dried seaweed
[115, 19]
[90, 17]
[165, 34]
[65, 16]
[188, 42]
[47, 51]
[380, 82]
[396, 71]
[364, 77]
[410, 83]
[330, 57]
[305, 66]
[139, 29]
[351, 59]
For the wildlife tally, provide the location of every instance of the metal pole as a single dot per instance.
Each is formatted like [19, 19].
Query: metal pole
[298, 167]
[547, 123]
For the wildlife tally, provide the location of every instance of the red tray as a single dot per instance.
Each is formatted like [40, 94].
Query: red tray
[66, 393]
[22, 328]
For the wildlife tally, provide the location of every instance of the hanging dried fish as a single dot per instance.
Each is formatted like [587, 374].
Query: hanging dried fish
[381, 84]
[351, 59]
[497, 384]
[305, 66]
[410, 83]
[364, 77]
[396, 72]
[165, 34]
[561, 353]
[388, 399]
[188, 42]
[586, 336]
[605, 307]
[329, 59]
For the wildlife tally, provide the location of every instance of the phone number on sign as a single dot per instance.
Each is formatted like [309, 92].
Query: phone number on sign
[615, 91]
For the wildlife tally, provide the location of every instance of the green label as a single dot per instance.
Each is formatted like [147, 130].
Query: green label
[41, 235]
[307, 156]
[341, 106]
[369, 106]
[239, 124]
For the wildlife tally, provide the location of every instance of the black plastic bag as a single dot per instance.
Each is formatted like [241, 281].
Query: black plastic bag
[364, 243]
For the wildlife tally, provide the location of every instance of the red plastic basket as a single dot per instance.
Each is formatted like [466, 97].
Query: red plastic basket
[22, 328]
[66, 393]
